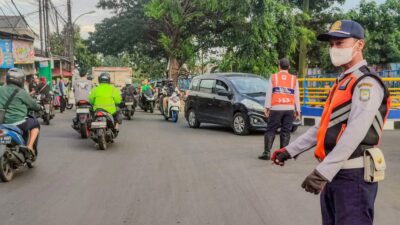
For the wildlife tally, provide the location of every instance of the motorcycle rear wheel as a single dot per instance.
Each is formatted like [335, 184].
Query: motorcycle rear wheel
[101, 139]
[6, 171]
[84, 130]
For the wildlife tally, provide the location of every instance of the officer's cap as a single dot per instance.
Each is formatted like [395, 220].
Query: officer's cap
[343, 29]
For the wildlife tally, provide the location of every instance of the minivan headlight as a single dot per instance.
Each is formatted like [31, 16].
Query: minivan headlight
[252, 105]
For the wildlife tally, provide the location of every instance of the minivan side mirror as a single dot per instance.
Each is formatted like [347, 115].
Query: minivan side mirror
[223, 92]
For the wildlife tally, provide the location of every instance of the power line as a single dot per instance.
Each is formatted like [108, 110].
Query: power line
[23, 18]
[56, 10]
[9, 22]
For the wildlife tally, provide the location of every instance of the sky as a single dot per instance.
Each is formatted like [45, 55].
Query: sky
[29, 9]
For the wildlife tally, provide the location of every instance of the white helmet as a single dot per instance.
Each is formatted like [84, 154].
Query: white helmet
[128, 81]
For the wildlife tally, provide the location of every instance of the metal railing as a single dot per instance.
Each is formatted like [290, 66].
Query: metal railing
[315, 91]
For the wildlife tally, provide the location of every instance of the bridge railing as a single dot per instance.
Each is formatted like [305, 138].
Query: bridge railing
[315, 91]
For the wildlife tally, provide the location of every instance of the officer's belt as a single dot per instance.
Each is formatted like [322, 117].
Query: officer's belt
[354, 163]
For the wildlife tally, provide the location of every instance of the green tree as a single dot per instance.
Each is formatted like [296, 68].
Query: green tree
[382, 26]
[84, 57]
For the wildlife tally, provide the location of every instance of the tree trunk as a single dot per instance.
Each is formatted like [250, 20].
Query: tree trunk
[173, 68]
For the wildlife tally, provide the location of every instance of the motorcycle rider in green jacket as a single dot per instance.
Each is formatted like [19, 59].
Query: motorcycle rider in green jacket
[17, 110]
[106, 97]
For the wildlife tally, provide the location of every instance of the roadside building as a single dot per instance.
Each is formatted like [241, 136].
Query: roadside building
[16, 46]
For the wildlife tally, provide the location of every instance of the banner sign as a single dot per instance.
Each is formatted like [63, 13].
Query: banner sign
[6, 57]
[23, 52]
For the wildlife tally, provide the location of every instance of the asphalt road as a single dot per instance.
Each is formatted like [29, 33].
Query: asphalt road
[160, 173]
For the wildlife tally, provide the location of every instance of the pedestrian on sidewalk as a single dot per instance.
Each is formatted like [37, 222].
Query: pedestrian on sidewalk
[282, 106]
[351, 127]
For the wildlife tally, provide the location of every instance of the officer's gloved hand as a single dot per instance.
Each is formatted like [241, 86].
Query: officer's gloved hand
[280, 156]
[314, 183]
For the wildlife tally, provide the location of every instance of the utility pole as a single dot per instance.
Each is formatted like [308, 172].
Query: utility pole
[303, 45]
[71, 35]
[47, 27]
[58, 31]
[41, 25]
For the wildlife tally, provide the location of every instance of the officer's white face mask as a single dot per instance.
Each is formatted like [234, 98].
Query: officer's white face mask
[341, 56]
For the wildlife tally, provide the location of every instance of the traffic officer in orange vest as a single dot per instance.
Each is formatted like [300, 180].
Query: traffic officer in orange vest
[282, 105]
[352, 122]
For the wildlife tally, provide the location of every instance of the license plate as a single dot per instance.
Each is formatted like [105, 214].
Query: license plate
[99, 125]
[5, 140]
[82, 110]
[129, 103]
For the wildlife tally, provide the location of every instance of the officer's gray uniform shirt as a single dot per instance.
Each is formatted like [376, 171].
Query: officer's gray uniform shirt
[364, 108]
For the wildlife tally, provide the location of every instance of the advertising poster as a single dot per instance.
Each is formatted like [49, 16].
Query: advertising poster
[6, 57]
[23, 52]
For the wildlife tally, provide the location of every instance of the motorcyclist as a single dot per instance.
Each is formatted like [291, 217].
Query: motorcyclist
[169, 89]
[44, 90]
[146, 87]
[82, 88]
[129, 91]
[17, 110]
[106, 97]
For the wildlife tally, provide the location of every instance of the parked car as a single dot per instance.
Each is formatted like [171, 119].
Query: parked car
[231, 99]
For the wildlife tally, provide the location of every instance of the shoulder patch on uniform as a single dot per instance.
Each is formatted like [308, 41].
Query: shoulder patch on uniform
[366, 85]
[345, 84]
[365, 94]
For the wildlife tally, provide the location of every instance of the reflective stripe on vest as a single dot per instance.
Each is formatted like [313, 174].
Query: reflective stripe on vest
[283, 88]
[337, 111]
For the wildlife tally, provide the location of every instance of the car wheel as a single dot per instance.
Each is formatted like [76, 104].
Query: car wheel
[192, 119]
[240, 124]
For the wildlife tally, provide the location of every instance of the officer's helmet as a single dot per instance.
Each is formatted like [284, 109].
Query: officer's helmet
[16, 76]
[105, 78]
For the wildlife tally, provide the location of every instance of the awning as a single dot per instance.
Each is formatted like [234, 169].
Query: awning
[65, 73]
[41, 59]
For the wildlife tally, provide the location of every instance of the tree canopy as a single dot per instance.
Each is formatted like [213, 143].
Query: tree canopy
[246, 35]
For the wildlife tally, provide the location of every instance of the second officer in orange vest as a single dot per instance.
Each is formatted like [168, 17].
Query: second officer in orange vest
[282, 105]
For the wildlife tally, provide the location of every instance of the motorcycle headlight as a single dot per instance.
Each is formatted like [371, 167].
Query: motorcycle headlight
[252, 105]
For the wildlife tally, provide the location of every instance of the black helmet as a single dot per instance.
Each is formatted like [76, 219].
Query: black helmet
[16, 76]
[104, 78]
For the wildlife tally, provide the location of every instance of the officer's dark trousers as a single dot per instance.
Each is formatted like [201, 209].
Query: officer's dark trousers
[348, 199]
[279, 119]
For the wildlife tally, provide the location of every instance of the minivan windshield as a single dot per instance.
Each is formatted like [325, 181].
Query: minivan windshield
[250, 85]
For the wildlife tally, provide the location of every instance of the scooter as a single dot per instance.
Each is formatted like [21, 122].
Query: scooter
[149, 101]
[83, 119]
[128, 107]
[13, 152]
[48, 112]
[102, 129]
[174, 105]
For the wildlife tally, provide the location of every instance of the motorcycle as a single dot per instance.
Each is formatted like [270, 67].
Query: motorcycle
[48, 112]
[102, 129]
[13, 152]
[172, 111]
[149, 101]
[128, 107]
[83, 119]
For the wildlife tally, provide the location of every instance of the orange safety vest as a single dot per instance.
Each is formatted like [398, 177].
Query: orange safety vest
[283, 88]
[337, 111]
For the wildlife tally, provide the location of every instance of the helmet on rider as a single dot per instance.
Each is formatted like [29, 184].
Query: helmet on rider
[16, 76]
[104, 78]
[128, 81]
